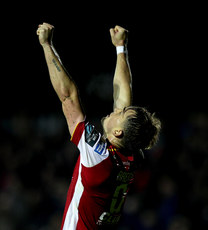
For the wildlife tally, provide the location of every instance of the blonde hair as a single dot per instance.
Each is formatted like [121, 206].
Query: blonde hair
[141, 130]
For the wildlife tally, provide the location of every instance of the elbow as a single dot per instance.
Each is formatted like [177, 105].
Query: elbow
[64, 92]
[67, 92]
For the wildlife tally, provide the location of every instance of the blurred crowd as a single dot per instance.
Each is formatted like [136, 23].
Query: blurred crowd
[37, 160]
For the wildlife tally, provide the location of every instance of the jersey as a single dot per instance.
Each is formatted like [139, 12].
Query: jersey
[100, 182]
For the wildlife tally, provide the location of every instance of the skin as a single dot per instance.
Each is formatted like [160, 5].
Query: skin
[113, 124]
[67, 91]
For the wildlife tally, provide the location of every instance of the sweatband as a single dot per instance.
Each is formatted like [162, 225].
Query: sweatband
[121, 49]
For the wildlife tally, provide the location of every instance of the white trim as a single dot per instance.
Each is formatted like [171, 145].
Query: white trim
[71, 218]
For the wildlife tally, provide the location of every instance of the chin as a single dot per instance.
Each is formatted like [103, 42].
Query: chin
[103, 120]
[102, 123]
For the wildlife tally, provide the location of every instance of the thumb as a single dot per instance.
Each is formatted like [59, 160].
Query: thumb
[112, 32]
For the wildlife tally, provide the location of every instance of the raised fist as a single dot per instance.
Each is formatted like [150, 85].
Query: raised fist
[45, 33]
[119, 36]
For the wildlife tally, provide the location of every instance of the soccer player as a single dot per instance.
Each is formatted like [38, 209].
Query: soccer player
[105, 168]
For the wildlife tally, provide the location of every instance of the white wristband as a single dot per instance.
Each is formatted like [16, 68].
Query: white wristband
[120, 49]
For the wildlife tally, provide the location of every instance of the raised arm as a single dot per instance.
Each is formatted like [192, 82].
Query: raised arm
[62, 82]
[122, 82]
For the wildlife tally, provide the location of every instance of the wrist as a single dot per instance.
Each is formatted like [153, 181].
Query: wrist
[121, 49]
[46, 45]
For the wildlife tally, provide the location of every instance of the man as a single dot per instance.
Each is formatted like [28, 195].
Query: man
[106, 164]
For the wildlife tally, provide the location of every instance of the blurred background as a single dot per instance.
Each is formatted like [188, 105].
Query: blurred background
[168, 58]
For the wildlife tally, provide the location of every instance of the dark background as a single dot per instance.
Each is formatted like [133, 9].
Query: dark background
[168, 58]
[167, 48]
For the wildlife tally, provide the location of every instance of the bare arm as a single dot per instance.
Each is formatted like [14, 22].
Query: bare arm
[62, 82]
[122, 82]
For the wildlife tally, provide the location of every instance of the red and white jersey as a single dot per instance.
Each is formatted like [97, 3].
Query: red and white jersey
[99, 184]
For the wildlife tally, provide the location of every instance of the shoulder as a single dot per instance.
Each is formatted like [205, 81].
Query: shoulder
[93, 148]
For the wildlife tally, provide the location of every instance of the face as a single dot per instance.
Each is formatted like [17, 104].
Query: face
[116, 119]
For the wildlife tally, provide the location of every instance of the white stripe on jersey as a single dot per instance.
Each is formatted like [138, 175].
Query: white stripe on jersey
[71, 218]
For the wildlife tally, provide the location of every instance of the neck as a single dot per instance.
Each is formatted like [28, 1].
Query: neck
[113, 141]
[118, 147]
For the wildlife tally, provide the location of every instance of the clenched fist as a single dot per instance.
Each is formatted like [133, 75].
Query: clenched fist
[119, 36]
[45, 33]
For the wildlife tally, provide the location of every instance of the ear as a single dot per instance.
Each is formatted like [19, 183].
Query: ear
[118, 133]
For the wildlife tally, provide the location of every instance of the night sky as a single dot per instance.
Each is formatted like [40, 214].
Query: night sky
[167, 49]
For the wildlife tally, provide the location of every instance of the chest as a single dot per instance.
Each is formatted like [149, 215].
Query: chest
[104, 177]
[99, 176]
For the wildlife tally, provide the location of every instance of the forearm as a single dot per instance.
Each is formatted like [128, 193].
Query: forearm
[60, 79]
[122, 82]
